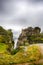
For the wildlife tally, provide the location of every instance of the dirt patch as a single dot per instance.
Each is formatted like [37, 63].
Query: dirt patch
[23, 64]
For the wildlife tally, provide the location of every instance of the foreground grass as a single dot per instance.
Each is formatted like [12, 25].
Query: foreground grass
[29, 54]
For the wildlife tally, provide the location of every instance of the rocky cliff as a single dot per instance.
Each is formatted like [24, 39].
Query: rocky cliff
[29, 35]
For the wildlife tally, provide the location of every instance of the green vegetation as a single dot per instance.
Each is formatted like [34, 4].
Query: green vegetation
[3, 48]
[14, 51]
[36, 38]
[5, 56]
[25, 53]
[6, 37]
[30, 54]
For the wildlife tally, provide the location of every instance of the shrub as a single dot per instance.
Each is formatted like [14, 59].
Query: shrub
[14, 51]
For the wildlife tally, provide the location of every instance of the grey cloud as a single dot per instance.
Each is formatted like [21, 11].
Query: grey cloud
[15, 18]
[35, 0]
[40, 19]
[6, 6]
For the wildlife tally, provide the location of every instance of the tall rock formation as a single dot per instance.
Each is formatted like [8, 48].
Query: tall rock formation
[26, 35]
[6, 37]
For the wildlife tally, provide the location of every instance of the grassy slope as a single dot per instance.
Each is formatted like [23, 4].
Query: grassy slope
[3, 48]
[25, 55]
[31, 54]
[5, 57]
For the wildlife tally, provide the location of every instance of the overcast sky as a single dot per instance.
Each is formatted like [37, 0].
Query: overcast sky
[18, 14]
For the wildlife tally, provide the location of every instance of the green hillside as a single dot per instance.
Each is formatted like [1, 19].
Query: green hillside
[3, 48]
[28, 54]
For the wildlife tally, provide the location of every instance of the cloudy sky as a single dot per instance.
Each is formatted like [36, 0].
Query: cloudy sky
[18, 14]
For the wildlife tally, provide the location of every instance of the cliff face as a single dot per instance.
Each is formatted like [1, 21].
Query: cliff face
[26, 35]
